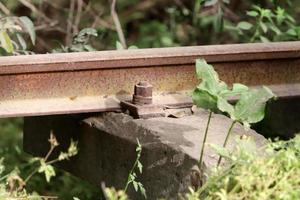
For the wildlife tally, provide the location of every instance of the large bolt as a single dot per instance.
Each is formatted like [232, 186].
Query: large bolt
[142, 93]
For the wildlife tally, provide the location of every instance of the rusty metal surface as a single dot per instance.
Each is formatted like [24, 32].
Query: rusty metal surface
[97, 81]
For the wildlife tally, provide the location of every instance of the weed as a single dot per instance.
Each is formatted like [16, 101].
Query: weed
[213, 94]
[12, 185]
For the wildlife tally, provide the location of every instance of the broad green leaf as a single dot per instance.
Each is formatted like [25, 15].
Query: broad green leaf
[245, 25]
[224, 106]
[237, 89]
[204, 100]
[251, 106]
[208, 75]
[29, 26]
[6, 42]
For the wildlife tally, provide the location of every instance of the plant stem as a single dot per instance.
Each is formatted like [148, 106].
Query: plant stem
[197, 7]
[131, 171]
[31, 175]
[226, 140]
[204, 139]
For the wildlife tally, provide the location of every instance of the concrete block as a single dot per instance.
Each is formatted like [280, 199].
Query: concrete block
[171, 148]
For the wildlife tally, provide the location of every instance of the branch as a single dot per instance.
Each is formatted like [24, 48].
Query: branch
[32, 7]
[4, 9]
[118, 24]
[70, 23]
[78, 16]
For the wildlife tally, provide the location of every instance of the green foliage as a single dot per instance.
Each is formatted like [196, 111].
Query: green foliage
[113, 194]
[266, 25]
[13, 186]
[213, 94]
[80, 43]
[211, 89]
[63, 185]
[272, 172]
[11, 31]
[138, 186]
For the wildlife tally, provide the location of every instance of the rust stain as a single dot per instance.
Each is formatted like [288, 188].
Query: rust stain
[173, 75]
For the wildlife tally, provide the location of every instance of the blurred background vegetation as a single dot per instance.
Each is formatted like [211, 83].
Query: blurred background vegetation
[87, 25]
[159, 23]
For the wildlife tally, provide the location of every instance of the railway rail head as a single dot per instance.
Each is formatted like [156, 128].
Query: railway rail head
[68, 83]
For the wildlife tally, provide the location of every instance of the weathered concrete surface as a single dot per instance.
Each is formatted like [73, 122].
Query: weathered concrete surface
[171, 148]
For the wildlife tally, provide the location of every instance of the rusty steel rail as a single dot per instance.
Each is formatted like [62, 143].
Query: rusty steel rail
[97, 81]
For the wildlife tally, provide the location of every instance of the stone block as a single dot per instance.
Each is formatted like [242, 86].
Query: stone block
[107, 142]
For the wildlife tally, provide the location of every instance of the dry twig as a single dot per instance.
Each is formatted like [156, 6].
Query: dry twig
[70, 23]
[78, 16]
[32, 7]
[4, 9]
[118, 24]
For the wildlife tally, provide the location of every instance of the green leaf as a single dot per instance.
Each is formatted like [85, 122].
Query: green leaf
[208, 91]
[221, 151]
[2, 168]
[264, 39]
[88, 31]
[119, 45]
[263, 27]
[208, 75]
[204, 100]
[135, 185]
[63, 156]
[21, 41]
[88, 47]
[237, 89]
[6, 42]
[140, 166]
[292, 32]
[133, 47]
[251, 106]
[252, 13]
[224, 106]
[48, 170]
[218, 22]
[245, 25]
[142, 189]
[29, 27]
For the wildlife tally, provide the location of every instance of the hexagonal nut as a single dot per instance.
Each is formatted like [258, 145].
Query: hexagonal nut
[143, 89]
[139, 100]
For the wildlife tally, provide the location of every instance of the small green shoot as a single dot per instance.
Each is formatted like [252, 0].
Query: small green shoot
[138, 186]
